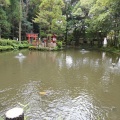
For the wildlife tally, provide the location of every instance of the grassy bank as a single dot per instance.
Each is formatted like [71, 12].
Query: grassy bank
[6, 45]
[105, 49]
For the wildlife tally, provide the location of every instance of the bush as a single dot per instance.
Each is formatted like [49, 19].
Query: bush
[59, 44]
[32, 48]
[23, 45]
[15, 46]
[3, 42]
[24, 42]
[12, 45]
[9, 42]
[5, 48]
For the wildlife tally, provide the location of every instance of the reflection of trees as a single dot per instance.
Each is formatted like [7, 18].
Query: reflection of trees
[115, 59]
[89, 62]
[78, 60]
[93, 66]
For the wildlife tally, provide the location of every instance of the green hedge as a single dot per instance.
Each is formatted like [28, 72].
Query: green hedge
[12, 45]
[6, 48]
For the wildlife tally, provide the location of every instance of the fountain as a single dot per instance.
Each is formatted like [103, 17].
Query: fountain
[83, 51]
[105, 42]
[20, 57]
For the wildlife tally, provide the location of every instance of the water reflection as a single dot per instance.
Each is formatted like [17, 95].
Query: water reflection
[69, 61]
[103, 56]
[61, 103]
[78, 86]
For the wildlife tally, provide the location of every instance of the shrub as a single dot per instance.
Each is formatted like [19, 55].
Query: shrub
[5, 48]
[12, 44]
[23, 45]
[3, 42]
[32, 48]
[59, 44]
[56, 48]
[24, 42]
[15, 46]
[9, 42]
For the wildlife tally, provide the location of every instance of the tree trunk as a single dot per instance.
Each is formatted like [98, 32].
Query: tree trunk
[20, 11]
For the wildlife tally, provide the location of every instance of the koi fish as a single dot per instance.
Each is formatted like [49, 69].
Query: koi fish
[42, 93]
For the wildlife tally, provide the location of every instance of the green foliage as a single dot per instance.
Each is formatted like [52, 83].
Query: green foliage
[5, 2]
[6, 48]
[99, 16]
[94, 16]
[56, 48]
[3, 42]
[4, 24]
[23, 46]
[15, 46]
[12, 45]
[32, 47]
[50, 15]
[24, 42]
[59, 44]
[76, 17]
[14, 11]
[42, 33]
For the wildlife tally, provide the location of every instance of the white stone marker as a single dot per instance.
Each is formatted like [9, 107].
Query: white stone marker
[15, 114]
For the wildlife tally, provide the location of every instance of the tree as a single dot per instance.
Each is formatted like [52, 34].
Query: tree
[104, 17]
[78, 17]
[4, 24]
[50, 16]
[4, 2]
[13, 17]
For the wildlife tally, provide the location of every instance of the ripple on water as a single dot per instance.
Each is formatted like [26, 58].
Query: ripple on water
[60, 104]
[6, 100]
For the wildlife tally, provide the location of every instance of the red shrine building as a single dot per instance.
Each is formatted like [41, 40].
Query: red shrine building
[31, 37]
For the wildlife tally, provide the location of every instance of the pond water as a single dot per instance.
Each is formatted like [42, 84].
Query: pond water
[64, 85]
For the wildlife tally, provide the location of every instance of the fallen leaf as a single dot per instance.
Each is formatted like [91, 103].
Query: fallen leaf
[43, 93]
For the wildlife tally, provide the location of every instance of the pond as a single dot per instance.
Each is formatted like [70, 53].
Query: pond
[63, 85]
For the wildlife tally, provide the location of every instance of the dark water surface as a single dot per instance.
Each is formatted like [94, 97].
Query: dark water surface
[64, 85]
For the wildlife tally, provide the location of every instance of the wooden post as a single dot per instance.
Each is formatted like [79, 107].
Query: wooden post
[15, 114]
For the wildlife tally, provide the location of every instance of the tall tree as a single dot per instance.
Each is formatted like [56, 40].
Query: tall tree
[105, 17]
[78, 15]
[50, 15]
[4, 24]
[13, 15]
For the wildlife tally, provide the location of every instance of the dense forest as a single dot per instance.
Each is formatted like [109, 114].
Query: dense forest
[71, 20]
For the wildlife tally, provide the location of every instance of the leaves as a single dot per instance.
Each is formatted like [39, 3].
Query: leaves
[5, 2]
[50, 12]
